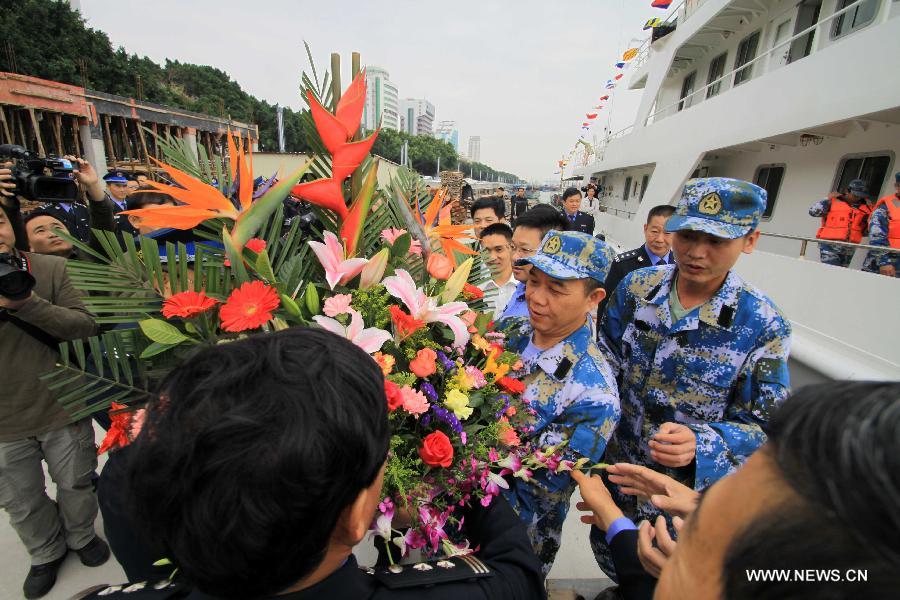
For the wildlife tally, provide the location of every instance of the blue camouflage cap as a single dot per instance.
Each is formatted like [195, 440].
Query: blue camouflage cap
[116, 177]
[859, 187]
[572, 255]
[723, 207]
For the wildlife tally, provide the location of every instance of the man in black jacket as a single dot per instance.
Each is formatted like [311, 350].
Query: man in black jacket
[656, 250]
[261, 467]
[578, 221]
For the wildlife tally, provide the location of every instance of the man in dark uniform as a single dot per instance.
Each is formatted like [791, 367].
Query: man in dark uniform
[260, 467]
[75, 215]
[656, 250]
[519, 203]
[578, 221]
[117, 191]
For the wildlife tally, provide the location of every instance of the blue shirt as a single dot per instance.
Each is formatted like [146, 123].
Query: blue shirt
[517, 306]
[655, 260]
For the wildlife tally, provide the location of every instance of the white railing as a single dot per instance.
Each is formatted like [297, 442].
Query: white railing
[686, 102]
[804, 243]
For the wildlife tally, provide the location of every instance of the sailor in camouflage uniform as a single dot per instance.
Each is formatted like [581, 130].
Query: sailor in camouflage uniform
[568, 380]
[700, 354]
[882, 233]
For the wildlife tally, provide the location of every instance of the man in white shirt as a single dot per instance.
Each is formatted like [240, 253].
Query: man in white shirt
[496, 250]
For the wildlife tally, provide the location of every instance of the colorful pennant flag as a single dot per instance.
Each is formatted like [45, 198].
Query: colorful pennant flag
[620, 65]
[591, 116]
[604, 97]
[618, 77]
[629, 54]
[586, 124]
[661, 3]
[599, 107]
[651, 23]
[610, 85]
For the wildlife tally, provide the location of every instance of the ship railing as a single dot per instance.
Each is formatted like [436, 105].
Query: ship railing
[687, 101]
[644, 49]
[804, 243]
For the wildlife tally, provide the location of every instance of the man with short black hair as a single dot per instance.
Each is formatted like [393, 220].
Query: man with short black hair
[530, 229]
[487, 211]
[656, 250]
[519, 204]
[260, 467]
[820, 495]
[578, 221]
[34, 427]
[496, 242]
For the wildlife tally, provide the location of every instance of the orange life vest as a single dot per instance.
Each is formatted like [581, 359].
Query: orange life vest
[844, 223]
[890, 202]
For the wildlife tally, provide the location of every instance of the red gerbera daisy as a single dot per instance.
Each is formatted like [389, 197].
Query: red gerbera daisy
[255, 244]
[187, 305]
[248, 307]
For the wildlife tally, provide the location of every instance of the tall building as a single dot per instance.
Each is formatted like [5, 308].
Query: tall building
[418, 116]
[475, 148]
[447, 131]
[382, 100]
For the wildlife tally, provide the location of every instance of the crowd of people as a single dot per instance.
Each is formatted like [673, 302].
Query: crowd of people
[660, 362]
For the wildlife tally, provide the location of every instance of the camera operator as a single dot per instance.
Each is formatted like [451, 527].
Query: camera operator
[77, 217]
[39, 308]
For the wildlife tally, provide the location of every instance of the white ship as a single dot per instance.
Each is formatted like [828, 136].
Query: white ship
[799, 97]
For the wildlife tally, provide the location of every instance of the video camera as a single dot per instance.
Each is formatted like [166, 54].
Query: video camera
[31, 179]
[15, 280]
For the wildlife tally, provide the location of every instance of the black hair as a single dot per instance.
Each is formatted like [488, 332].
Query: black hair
[497, 229]
[570, 191]
[543, 217]
[492, 202]
[39, 212]
[837, 450]
[147, 195]
[255, 447]
[591, 284]
[663, 210]
[500, 187]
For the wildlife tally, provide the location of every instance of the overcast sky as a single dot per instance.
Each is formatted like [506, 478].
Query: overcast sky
[519, 73]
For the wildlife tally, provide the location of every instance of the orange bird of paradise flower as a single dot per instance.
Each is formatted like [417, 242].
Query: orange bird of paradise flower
[201, 201]
[438, 227]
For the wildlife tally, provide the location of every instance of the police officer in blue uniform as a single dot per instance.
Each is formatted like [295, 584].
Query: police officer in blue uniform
[700, 354]
[578, 221]
[261, 467]
[656, 250]
[117, 191]
[567, 379]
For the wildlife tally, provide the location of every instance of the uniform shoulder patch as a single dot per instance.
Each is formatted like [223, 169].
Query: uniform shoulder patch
[626, 255]
[445, 570]
[772, 370]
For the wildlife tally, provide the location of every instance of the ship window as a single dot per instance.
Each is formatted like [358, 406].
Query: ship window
[856, 18]
[872, 169]
[769, 178]
[746, 52]
[716, 68]
[644, 183]
[627, 188]
[687, 89]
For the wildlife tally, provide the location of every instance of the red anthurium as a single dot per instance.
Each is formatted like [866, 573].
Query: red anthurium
[326, 193]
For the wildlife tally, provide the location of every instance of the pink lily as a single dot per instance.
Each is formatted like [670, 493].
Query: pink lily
[370, 339]
[338, 268]
[427, 309]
